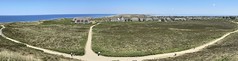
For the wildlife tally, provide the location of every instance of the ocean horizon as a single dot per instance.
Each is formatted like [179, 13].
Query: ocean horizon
[32, 18]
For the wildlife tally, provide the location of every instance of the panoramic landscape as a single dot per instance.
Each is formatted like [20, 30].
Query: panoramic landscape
[106, 30]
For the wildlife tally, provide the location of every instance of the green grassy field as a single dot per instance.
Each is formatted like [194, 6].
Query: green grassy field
[226, 50]
[59, 35]
[149, 38]
[10, 51]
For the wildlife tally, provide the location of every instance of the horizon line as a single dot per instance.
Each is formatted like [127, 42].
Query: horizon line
[120, 14]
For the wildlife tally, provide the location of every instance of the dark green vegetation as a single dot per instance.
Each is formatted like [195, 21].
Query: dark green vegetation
[59, 35]
[10, 51]
[226, 50]
[149, 38]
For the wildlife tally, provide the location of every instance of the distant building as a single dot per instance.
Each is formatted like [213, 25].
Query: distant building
[82, 20]
[135, 19]
[117, 19]
[148, 19]
[155, 19]
[141, 18]
[180, 19]
[168, 19]
[114, 19]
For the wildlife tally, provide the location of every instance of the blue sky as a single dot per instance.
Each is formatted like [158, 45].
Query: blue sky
[161, 7]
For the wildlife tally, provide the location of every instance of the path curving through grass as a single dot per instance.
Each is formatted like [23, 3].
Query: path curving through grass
[90, 55]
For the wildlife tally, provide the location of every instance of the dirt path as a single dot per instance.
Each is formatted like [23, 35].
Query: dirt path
[90, 55]
[37, 48]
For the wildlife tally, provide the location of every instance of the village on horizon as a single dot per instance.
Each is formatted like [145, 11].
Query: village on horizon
[144, 17]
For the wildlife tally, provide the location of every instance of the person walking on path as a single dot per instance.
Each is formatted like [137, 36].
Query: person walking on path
[71, 54]
[99, 53]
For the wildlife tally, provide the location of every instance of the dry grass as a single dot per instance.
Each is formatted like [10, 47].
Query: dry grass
[60, 35]
[149, 38]
[226, 50]
[10, 51]
[13, 56]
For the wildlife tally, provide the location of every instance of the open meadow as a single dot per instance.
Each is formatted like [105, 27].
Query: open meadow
[10, 51]
[60, 35]
[226, 50]
[128, 39]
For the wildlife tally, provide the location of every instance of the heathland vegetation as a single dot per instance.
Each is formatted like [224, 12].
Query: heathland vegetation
[149, 38]
[226, 50]
[10, 51]
[60, 35]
